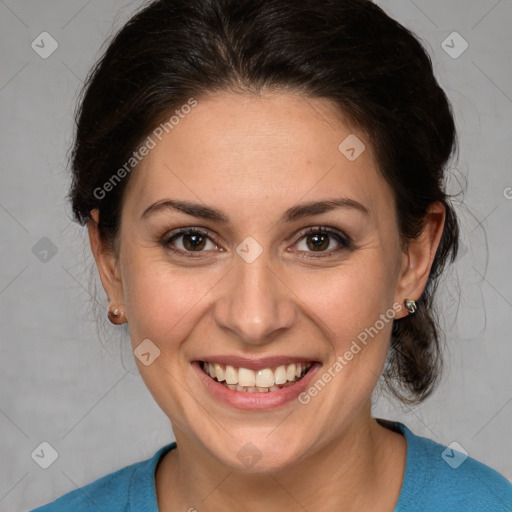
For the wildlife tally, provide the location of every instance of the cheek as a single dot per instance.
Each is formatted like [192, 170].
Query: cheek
[354, 307]
[350, 297]
[162, 302]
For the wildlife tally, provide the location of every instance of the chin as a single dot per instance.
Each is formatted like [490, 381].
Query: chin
[259, 454]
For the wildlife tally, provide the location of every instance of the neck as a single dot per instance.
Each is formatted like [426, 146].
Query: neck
[360, 470]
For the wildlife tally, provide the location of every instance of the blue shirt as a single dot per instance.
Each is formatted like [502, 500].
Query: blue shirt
[437, 479]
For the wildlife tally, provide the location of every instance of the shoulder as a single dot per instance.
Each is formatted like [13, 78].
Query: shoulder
[131, 488]
[439, 478]
[98, 495]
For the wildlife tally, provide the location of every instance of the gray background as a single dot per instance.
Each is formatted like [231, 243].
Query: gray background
[65, 382]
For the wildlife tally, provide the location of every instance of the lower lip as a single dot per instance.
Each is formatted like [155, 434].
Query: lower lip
[255, 400]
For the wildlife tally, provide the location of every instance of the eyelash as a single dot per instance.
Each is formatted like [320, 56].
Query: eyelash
[344, 241]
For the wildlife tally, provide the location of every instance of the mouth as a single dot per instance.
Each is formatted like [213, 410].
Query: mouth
[263, 380]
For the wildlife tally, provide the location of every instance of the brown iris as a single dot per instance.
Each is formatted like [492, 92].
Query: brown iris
[197, 241]
[321, 241]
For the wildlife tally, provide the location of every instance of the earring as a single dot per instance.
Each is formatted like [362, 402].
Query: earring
[115, 316]
[411, 306]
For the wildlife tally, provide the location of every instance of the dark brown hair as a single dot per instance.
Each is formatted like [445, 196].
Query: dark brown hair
[348, 51]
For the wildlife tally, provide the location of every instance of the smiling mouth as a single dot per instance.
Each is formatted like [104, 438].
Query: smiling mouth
[259, 381]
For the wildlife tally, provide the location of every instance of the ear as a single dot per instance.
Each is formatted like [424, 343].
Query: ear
[419, 256]
[106, 262]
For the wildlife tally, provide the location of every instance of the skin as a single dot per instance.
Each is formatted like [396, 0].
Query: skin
[253, 158]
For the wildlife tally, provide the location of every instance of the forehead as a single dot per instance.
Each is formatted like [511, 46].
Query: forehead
[280, 146]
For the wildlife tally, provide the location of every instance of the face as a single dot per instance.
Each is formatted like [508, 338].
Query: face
[291, 251]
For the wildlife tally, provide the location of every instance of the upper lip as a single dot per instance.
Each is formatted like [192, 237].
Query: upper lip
[256, 364]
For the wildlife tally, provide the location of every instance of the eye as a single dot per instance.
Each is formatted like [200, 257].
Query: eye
[319, 239]
[192, 240]
[188, 241]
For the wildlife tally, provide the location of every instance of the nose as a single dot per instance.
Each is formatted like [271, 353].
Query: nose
[255, 303]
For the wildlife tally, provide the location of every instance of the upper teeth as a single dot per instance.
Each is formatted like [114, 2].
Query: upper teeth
[265, 378]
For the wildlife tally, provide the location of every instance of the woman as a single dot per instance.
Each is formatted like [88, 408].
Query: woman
[262, 182]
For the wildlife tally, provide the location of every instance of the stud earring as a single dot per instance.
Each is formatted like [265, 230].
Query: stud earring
[410, 305]
[115, 316]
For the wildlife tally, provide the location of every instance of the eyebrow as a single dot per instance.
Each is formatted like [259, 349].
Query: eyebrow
[292, 214]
